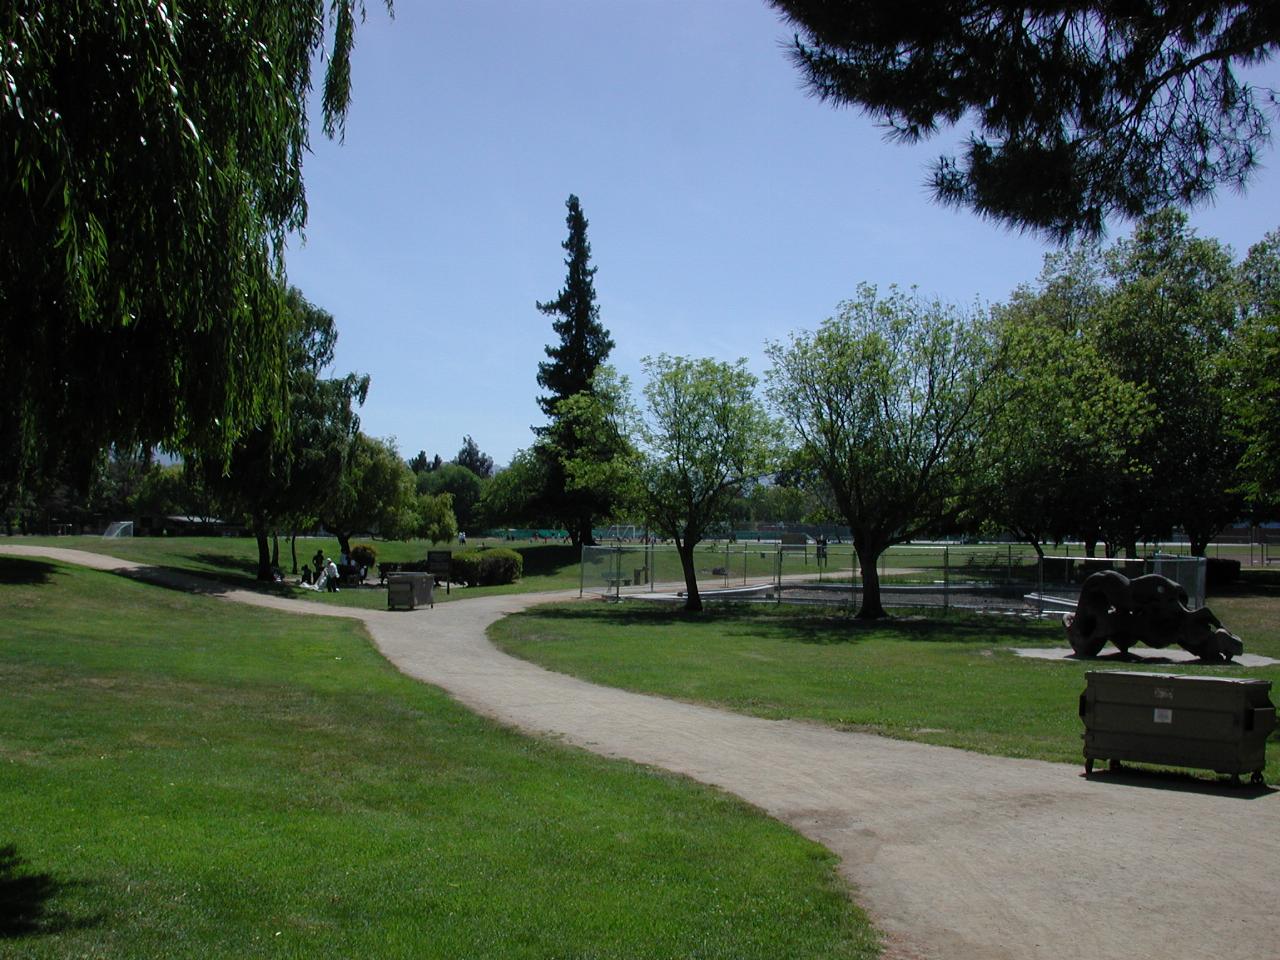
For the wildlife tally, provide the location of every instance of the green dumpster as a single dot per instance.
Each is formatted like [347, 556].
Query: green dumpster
[1209, 723]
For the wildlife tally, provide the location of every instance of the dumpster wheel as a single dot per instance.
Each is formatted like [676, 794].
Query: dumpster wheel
[1257, 780]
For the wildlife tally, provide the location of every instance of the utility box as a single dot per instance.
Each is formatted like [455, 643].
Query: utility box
[1210, 723]
[410, 590]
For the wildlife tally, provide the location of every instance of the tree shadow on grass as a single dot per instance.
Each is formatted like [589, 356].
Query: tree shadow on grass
[813, 628]
[548, 560]
[25, 898]
[221, 561]
[21, 572]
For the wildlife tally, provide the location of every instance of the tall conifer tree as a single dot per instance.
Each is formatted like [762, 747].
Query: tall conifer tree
[584, 342]
[569, 370]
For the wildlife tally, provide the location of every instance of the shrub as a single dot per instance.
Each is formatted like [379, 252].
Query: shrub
[464, 567]
[364, 555]
[486, 568]
[1219, 571]
[499, 566]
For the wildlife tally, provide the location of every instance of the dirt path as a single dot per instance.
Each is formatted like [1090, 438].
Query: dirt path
[956, 856]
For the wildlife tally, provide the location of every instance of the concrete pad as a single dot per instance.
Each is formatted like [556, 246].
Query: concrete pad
[1140, 656]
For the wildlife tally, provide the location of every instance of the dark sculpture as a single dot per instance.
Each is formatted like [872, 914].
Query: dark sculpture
[1151, 610]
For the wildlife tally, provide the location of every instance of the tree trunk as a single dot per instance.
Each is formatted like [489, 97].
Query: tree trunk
[872, 608]
[264, 548]
[344, 542]
[293, 550]
[692, 598]
[275, 550]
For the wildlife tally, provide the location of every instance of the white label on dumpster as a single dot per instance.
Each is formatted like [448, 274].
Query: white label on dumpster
[1163, 715]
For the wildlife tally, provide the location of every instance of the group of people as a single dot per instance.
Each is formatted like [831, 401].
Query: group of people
[325, 575]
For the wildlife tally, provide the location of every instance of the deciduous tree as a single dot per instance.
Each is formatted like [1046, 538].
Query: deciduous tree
[1256, 362]
[888, 400]
[702, 437]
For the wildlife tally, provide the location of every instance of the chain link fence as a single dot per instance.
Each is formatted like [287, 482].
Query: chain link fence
[1005, 577]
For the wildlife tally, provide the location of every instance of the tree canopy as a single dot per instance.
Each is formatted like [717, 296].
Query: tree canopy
[1257, 365]
[703, 437]
[152, 170]
[1081, 110]
[888, 400]
[281, 471]
[473, 458]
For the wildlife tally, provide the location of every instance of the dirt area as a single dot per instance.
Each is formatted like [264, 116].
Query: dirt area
[956, 856]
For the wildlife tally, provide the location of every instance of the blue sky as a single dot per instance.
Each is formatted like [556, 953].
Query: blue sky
[726, 207]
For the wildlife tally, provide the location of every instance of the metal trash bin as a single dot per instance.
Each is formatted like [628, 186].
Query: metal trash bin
[1209, 723]
[410, 590]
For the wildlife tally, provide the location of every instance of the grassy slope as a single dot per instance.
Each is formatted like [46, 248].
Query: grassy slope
[181, 777]
[951, 681]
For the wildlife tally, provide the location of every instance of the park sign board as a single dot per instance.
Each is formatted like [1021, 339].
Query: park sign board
[438, 562]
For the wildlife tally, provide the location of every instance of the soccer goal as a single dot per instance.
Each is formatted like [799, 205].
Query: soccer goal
[120, 528]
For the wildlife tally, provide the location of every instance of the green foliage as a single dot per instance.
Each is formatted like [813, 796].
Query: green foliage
[509, 498]
[570, 371]
[486, 568]
[702, 438]
[584, 342]
[286, 471]
[474, 459]
[590, 442]
[1256, 366]
[375, 492]
[1166, 325]
[890, 401]
[462, 484]
[1065, 423]
[434, 518]
[154, 172]
[1083, 110]
[364, 554]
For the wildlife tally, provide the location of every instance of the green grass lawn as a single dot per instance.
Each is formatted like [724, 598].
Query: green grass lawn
[234, 560]
[949, 680]
[184, 777]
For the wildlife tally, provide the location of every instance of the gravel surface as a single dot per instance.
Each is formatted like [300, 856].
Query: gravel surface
[956, 856]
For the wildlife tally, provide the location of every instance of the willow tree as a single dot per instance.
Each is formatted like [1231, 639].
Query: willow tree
[152, 170]
[888, 399]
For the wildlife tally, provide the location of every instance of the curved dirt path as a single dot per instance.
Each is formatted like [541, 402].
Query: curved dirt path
[956, 856]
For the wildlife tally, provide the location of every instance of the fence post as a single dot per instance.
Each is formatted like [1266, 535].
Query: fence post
[726, 563]
[582, 569]
[853, 579]
[946, 578]
[1040, 583]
